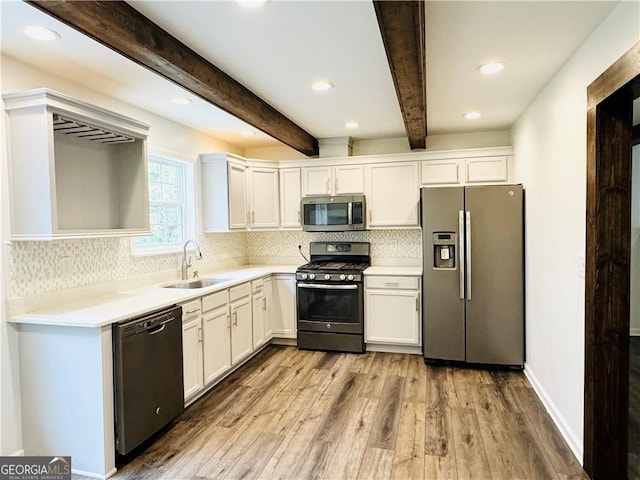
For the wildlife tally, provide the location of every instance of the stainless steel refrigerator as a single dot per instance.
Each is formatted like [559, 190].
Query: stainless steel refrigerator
[473, 274]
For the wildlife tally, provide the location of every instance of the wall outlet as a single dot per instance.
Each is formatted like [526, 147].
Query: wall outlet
[580, 264]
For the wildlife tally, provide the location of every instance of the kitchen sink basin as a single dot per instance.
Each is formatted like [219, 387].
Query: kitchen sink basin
[197, 283]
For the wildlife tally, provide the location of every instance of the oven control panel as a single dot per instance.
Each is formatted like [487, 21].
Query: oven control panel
[329, 277]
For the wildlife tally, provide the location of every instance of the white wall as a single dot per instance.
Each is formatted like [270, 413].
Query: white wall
[165, 135]
[10, 424]
[550, 160]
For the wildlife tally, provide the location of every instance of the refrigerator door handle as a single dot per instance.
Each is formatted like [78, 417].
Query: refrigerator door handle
[468, 252]
[461, 250]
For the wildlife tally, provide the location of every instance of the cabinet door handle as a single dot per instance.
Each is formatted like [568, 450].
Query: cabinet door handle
[192, 311]
[199, 334]
[253, 217]
[417, 304]
[264, 304]
[235, 318]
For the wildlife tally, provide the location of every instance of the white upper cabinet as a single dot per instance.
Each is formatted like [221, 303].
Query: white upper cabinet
[337, 180]
[76, 170]
[392, 195]
[290, 193]
[487, 169]
[460, 171]
[262, 183]
[441, 172]
[224, 193]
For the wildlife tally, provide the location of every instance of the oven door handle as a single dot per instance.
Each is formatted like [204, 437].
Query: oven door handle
[324, 286]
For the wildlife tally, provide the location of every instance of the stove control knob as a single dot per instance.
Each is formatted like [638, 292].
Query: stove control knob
[304, 276]
[350, 277]
[343, 277]
[312, 276]
[327, 276]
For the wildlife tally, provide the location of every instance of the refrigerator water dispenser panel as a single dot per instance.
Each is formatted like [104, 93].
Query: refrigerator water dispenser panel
[444, 250]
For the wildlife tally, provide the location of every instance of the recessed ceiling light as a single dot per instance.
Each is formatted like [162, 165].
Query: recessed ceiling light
[252, 3]
[248, 133]
[40, 33]
[489, 68]
[181, 100]
[321, 85]
[472, 115]
[352, 124]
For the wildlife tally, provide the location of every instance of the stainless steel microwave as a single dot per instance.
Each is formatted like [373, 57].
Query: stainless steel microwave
[339, 213]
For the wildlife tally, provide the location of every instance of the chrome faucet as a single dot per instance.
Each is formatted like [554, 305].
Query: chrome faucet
[186, 264]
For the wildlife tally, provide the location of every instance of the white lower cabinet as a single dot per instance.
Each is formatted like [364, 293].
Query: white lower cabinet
[223, 329]
[258, 302]
[267, 293]
[393, 310]
[216, 326]
[284, 306]
[192, 348]
[241, 322]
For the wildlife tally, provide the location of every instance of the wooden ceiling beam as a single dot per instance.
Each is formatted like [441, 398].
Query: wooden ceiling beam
[122, 28]
[402, 25]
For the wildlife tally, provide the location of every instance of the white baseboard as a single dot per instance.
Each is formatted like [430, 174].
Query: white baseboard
[634, 332]
[373, 347]
[91, 474]
[574, 443]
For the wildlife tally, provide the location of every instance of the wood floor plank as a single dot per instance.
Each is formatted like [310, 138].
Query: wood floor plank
[252, 462]
[350, 448]
[398, 364]
[385, 427]
[416, 385]
[408, 459]
[301, 414]
[440, 467]
[362, 362]
[459, 388]
[438, 434]
[191, 459]
[376, 464]
[556, 448]
[496, 438]
[338, 412]
[286, 457]
[315, 460]
[471, 458]
[530, 454]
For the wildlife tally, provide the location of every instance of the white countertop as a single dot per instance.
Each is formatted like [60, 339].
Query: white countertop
[98, 312]
[396, 271]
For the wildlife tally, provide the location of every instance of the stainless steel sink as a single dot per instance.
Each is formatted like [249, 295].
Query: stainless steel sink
[197, 283]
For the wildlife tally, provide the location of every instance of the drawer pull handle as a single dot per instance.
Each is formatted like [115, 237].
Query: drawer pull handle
[392, 284]
[192, 311]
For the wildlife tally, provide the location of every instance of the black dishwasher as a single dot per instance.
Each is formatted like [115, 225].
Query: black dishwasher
[147, 353]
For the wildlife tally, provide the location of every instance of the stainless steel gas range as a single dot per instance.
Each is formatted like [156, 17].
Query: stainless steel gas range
[330, 297]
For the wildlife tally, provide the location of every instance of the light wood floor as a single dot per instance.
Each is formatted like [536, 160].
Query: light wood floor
[294, 414]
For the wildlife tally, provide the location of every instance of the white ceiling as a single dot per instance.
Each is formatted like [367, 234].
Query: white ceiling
[277, 51]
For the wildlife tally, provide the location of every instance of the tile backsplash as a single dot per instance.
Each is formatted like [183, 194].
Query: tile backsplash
[42, 269]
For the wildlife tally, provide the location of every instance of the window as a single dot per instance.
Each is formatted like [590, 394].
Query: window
[170, 207]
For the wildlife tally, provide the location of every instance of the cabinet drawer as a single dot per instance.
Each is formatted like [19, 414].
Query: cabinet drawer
[388, 282]
[257, 285]
[191, 310]
[239, 291]
[215, 300]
